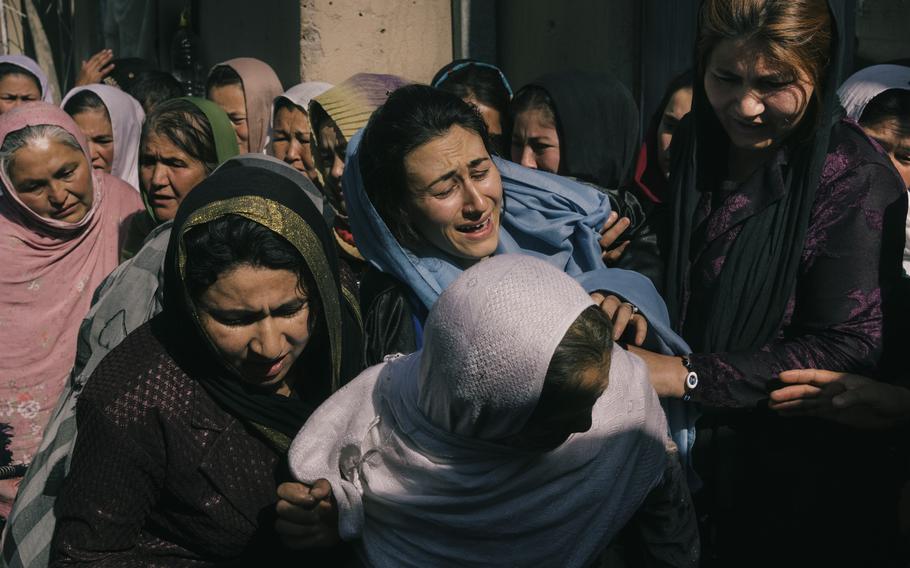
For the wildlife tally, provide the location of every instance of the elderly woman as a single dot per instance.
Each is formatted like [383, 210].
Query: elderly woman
[336, 116]
[21, 81]
[184, 140]
[62, 225]
[519, 435]
[112, 122]
[784, 254]
[251, 339]
[585, 125]
[245, 89]
[291, 133]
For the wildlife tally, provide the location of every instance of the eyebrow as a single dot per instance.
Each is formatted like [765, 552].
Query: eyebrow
[240, 312]
[450, 174]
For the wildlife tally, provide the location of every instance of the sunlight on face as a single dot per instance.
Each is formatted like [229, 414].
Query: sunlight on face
[96, 126]
[167, 174]
[53, 179]
[535, 141]
[456, 194]
[233, 102]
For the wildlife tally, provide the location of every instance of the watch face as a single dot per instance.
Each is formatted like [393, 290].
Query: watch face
[691, 381]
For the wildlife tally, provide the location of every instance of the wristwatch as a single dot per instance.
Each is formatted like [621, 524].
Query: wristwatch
[691, 382]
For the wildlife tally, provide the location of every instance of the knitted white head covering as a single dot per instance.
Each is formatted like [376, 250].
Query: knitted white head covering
[489, 341]
[866, 84]
[410, 446]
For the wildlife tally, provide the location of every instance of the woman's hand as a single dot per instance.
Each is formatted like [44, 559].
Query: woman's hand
[307, 516]
[849, 399]
[611, 231]
[623, 315]
[96, 68]
[667, 372]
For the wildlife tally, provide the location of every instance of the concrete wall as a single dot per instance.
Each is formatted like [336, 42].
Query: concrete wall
[338, 38]
[537, 36]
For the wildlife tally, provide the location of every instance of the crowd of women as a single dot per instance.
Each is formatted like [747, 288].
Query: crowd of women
[388, 323]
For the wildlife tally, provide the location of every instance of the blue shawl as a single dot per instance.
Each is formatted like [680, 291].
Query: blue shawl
[551, 217]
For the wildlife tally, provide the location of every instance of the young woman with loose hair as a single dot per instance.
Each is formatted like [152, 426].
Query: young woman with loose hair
[784, 251]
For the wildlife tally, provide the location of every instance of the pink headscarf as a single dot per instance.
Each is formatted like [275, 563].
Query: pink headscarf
[50, 270]
[260, 87]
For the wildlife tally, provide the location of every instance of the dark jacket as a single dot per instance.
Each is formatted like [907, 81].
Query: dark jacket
[162, 476]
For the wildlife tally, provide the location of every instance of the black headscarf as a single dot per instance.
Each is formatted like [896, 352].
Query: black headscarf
[597, 121]
[760, 270]
[277, 199]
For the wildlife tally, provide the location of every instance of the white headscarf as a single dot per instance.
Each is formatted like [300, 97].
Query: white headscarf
[299, 95]
[866, 84]
[413, 450]
[127, 117]
[32, 67]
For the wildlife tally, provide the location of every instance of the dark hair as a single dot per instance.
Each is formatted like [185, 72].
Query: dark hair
[127, 69]
[85, 101]
[222, 76]
[684, 80]
[533, 97]
[187, 128]
[481, 82]
[412, 116]
[13, 69]
[890, 105]
[284, 102]
[218, 246]
[152, 88]
[586, 345]
[318, 118]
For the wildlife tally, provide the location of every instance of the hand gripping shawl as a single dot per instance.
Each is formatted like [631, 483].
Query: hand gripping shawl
[129, 297]
[546, 216]
[415, 447]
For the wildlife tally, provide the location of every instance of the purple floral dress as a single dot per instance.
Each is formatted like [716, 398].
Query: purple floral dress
[849, 269]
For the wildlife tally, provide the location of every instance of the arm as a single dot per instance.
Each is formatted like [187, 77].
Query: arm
[388, 322]
[837, 320]
[666, 524]
[105, 500]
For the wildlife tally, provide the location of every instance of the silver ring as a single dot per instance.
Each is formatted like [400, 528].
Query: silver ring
[632, 307]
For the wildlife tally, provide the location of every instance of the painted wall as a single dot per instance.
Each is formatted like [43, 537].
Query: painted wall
[338, 38]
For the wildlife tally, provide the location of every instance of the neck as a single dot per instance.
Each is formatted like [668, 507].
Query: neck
[742, 163]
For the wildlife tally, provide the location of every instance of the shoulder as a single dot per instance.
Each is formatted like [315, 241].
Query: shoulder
[852, 154]
[138, 377]
[122, 198]
[375, 285]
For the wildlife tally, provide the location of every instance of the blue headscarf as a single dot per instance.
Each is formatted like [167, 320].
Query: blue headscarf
[547, 216]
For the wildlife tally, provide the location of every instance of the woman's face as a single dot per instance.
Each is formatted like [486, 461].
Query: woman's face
[456, 194]
[233, 102]
[493, 119]
[677, 107]
[53, 179]
[16, 89]
[291, 140]
[331, 146]
[259, 321]
[896, 142]
[167, 174]
[97, 129]
[568, 412]
[757, 104]
[535, 141]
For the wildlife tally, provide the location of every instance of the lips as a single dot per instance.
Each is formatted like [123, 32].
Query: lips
[476, 228]
[266, 369]
[65, 212]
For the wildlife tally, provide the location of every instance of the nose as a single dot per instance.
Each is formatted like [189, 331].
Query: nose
[268, 342]
[56, 194]
[337, 168]
[474, 202]
[94, 152]
[528, 159]
[750, 105]
[159, 176]
[294, 150]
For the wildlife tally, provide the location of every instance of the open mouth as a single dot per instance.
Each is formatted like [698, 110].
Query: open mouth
[476, 228]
